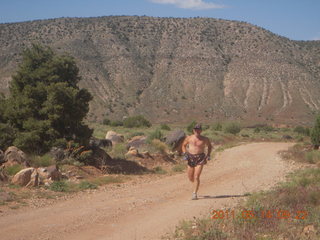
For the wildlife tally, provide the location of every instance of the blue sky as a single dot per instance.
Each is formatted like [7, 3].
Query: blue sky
[295, 19]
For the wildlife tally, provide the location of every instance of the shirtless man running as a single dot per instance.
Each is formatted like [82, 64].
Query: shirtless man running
[196, 157]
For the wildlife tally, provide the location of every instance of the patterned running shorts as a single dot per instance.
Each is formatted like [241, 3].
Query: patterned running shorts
[195, 159]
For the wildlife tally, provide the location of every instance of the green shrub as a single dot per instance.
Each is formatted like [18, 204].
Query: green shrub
[165, 127]
[60, 143]
[159, 146]
[136, 121]
[116, 123]
[301, 130]
[134, 134]
[14, 169]
[217, 126]
[59, 186]
[42, 161]
[106, 121]
[159, 170]
[156, 134]
[313, 156]
[232, 127]
[29, 142]
[267, 128]
[119, 150]
[7, 136]
[205, 127]
[256, 130]
[299, 138]
[87, 185]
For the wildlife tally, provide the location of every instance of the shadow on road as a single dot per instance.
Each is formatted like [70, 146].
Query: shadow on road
[223, 196]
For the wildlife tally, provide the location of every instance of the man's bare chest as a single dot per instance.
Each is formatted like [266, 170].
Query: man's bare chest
[197, 142]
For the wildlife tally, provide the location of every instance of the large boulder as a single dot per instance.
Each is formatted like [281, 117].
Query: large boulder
[175, 140]
[99, 159]
[26, 177]
[50, 173]
[34, 179]
[137, 142]
[114, 137]
[13, 156]
[98, 143]
[133, 152]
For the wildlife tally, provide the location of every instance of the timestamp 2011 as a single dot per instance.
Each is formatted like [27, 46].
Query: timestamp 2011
[262, 214]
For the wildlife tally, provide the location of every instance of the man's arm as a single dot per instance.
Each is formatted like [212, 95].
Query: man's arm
[184, 144]
[209, 148]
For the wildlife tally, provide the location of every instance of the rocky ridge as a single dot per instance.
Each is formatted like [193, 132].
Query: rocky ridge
[177, 70]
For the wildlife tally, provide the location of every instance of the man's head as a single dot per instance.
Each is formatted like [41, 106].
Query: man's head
[197, 129]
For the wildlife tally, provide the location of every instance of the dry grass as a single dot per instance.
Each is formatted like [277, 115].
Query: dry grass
[281, 213]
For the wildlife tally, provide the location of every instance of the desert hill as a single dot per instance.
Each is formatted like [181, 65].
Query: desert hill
[178, 69]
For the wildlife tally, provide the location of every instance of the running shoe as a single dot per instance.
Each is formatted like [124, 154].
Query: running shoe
[194, 196]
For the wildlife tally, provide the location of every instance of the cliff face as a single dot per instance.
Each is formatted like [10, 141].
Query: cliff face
[173, 70]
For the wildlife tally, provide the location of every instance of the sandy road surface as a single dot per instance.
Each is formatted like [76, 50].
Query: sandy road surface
[149, 210]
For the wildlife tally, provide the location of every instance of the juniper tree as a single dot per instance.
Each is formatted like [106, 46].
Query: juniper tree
[45, 105]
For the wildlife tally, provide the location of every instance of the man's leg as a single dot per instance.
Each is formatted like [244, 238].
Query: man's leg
[197, 173]
[190, 173]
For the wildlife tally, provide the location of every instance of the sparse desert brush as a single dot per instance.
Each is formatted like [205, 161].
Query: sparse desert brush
[165, 127]
[159, 146]
[159, 170]
[116, 123]
[83, 185]
[14, 169]
[119, 150]
[136, 122]
[42, 161]
[301, 130]
[156, 134]
[232, 127]
[313, 156]
[134, 134]
[300, 153]
[284, 210]
[59, 186]
[294, 153]
[217, 126]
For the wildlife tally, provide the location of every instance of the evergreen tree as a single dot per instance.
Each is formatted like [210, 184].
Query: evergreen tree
[7, 133]
[46, 105]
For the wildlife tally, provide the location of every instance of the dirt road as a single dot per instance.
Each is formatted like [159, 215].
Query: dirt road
[149, 210]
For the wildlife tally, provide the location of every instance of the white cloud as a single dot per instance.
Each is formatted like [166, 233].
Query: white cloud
[189, 4]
